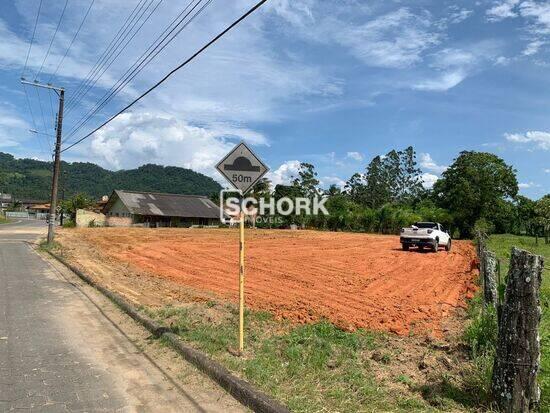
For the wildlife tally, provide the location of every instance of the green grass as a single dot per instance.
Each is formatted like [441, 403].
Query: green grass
[44, 246]
[309, 368]
[502, 245]
[3, 220]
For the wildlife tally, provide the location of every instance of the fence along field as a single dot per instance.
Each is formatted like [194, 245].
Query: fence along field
[517, 305]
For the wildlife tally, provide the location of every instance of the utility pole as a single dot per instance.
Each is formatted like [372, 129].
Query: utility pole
[57, 153]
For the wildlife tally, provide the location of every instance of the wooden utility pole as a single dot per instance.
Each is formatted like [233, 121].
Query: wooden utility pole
[57, 154]
[517, 357]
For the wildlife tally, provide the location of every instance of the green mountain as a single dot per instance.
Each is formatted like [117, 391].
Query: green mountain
[28, 178]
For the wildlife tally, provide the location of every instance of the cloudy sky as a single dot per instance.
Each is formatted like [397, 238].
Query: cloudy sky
[331, 83]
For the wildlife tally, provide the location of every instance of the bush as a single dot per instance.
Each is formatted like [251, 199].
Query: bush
[481, 334]
[69, 223]
[483, 226]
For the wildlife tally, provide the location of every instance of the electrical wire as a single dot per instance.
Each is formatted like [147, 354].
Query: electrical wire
[167, 76]
[107, 52]
[29, 106]
[43, 118]
[32, 39]
[72, 41]
[105, 68]
[41, 109]
[152, 51]
[53, 38]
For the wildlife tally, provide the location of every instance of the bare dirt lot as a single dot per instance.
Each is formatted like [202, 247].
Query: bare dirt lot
[353, 280]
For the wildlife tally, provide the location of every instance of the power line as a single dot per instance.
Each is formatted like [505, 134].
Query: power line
[106, 52]
[53, 38]
[152, 51]
[41, 111]
[32, 39]
[29, 106]
[39, 140]
[107, 66]
[186, 62]
[43, 119]
[72, 41]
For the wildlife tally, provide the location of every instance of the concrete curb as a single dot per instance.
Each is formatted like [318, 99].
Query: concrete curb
[241, 390]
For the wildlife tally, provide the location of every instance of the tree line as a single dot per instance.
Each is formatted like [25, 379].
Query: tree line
[478, 191]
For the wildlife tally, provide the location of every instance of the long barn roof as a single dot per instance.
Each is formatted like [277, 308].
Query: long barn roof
[169, 205]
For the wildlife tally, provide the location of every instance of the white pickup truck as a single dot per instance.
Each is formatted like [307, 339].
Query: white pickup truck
[425, 234]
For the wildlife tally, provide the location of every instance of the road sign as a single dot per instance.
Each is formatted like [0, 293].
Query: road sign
[242, 168]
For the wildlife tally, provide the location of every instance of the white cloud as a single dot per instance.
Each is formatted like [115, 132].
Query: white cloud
[284, 174]
[502, 61]
[426, 162]
[533, 47]
[538, 138]
[502, 10]
[536, 15]
[356, 156]
[395, 40]
[327, 181]
[298, 13]
[452, 66]
[13, 128]
[244, 77]
[428, 180]
[458, 15]
[547, 170]
[540, 12]
[137, 138]
[525, 185]
[441, 83]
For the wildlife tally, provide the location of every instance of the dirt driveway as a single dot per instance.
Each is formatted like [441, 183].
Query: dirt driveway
[354, 280]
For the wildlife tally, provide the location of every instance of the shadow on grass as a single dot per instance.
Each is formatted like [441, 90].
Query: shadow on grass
[444, 393]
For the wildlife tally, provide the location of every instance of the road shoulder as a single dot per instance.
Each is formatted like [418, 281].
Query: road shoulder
[181, 377]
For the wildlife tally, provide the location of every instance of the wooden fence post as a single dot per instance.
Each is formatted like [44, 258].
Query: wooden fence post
[517, 359]
[489, 274]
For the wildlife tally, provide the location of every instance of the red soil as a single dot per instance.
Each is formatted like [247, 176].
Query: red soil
[353, 280]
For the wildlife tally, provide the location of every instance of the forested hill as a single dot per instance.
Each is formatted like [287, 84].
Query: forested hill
[28, 178]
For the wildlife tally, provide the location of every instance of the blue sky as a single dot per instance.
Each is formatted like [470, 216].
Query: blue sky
[331, 83]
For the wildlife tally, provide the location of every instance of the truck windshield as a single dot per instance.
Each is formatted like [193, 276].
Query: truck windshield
[425, 225]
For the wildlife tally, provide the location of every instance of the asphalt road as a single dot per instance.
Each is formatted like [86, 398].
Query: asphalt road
[59, 351]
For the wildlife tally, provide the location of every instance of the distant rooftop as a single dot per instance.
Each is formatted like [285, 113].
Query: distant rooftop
[162, 204]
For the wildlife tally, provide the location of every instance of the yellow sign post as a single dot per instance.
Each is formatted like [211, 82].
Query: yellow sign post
[243, 169]
[241, 283]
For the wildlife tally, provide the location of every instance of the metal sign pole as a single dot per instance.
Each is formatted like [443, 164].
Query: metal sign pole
[243, 169]
[241, 282]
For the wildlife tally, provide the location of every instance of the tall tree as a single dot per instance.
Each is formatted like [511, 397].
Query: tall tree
[355, 188]
[377, 191]
[333, 190]
[473, 186]
[393, 174]
[262, 188]
[542, 211]
[307, 180]
[411, 176]
[525, 215]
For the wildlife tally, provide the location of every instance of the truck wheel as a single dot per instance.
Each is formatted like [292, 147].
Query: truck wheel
[448, 246]
[435, 246]
[405, 247]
